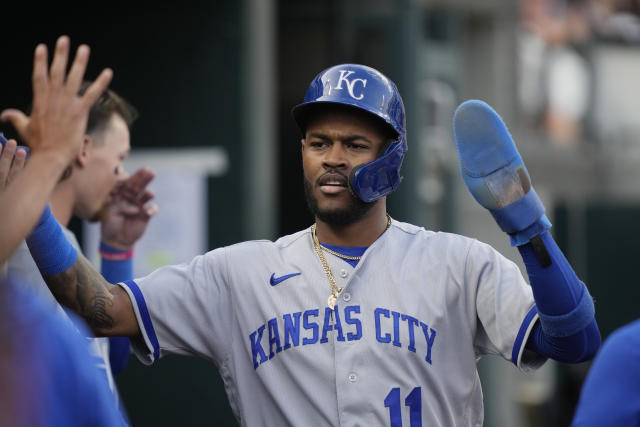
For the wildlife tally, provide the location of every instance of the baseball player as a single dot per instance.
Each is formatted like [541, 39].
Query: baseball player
[359, 319]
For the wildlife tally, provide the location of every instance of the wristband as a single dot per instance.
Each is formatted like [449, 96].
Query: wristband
[49, 247]
[536, 229]
[112, 254]
[117, 265]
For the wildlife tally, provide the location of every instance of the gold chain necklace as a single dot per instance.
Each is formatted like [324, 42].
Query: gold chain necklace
[343, 256]
[335, 290]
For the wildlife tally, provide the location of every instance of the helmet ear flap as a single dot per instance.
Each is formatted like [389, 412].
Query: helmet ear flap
[352, 180]
[376, 179]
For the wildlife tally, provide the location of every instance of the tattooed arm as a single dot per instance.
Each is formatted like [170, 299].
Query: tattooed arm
[105, 307]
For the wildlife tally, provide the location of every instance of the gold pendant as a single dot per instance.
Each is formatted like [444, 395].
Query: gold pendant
[331, 302]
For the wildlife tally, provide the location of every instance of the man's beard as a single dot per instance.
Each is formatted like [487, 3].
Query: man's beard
[341, 217]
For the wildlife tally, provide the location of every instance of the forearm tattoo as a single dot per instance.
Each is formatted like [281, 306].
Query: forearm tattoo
[85, 291]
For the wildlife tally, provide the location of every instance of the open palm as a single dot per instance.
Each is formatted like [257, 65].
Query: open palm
[127, 213]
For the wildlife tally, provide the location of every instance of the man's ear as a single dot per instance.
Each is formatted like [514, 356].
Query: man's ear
[302, 144]
[85, 152]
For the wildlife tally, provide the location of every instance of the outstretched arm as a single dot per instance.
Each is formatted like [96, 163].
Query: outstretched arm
[54, 133]
[498, 179]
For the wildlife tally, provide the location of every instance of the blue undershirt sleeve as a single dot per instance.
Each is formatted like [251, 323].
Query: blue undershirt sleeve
[114, 271]
[567, 330]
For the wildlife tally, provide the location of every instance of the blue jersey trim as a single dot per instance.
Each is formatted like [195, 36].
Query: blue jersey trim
[354, 251]
[518, 344]
[146, 318]
[347, 250]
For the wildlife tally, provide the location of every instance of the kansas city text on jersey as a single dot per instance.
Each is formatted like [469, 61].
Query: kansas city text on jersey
[313, 327]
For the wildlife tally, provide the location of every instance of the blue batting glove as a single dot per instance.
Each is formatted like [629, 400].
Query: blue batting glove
[495, 174]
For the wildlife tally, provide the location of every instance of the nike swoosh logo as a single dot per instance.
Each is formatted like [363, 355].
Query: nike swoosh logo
[275, 280]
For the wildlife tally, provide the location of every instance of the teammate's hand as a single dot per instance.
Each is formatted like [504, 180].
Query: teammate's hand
[127, 213]
[11, 162]
[59, 117]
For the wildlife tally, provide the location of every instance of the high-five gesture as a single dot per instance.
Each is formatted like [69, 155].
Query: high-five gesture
[59, 117]
[54, 132]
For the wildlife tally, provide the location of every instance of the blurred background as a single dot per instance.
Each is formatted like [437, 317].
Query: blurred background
[215, 81]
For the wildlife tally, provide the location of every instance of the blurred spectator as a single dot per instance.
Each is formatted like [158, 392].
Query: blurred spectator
[555, 77]
[617, 21]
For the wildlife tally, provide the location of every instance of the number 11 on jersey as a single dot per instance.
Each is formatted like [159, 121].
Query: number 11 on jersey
[413, 401]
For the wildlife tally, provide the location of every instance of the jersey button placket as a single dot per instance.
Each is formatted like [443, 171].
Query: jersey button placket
[344, 372]
[343, 278]
[349, 385]
[342, 274]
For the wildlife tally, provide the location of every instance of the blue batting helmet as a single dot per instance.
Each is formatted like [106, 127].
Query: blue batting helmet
[369, 90]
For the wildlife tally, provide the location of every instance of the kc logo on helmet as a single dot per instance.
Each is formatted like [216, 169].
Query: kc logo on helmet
[344, 77]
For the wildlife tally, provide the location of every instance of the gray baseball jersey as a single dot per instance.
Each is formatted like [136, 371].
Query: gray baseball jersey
[399, 348]
[22, 271]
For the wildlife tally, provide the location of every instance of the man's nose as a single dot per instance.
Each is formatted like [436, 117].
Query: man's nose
[335, 156]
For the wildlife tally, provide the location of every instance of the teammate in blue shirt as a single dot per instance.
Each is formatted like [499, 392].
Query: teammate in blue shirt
[48, 377]
[611, 392]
